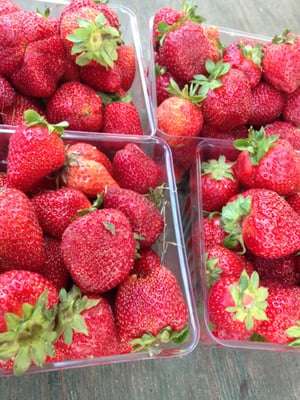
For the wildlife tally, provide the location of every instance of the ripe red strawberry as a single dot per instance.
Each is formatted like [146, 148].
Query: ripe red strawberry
[35, 321]
[215, 45]
[283, 51]
[8, 6]
[135, 170]
[32, 53]
[98, 250]
[282, 312]
[53, 267]
[246, 55]
[227, 102]
[7, 94]
[180, 116]
[212, 232]
[90, 152]
[267, 104]
[184, 50]
[162, 82]
[148, 260]
[21, 236]
[286, 131]
[14, 114]
[280, 269]
[291, 109]
[56, 209]
[263, 222]
[109, 13]
[152, 306]
[121, 117]
[86, 325]
[86, 175]
[268, 162]
[35, 151]
[218, 183]
[78, 104]
[145, 218]
[294, 201]
[237, 304]
[221, 262]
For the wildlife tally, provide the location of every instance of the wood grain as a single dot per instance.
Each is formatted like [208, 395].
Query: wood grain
[208, 373]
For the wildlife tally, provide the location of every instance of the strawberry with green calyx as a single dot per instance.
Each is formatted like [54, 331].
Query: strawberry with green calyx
[267, 162]
[151, 308]
[218, 183]
[238, 304]
[85, 326]
[27, 320]
[227, 92]
[284, 50]
[95, 40]
[245, 54]
[180, 115]
[35, 150]
[261, 221]
[99, 249]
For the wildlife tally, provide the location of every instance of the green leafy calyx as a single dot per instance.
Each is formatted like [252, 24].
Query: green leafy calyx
[249, 299]
[218, 169]
[257, 144]
[32, 118]
[95, 40]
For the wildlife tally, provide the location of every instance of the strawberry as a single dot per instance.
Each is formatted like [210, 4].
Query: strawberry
[215, 45]
[283, 309]
[135, 170]
[291, 108]
[121, 117]
[227, 102]
[180, 116]
[162, 82]
[283, 51]
[14, 113]
[98, 250]
[238, 304]
[209, 131]
[90, 152]
[78, 104]
[86, 175]
[34, 60]
[146, 220]
[294, 201]
[286, 131]
[86, 326]
[7, 94]
[212, 232]
[151, 308]
[184, 50]
[28, 309]
[218, 183]
[53, 267]
[221, 262]
[148, 260]
[21, 235]
[35, 151]
[268, 162]
[246, 55]
[167, 17]
[263, 222]
[56, 209]
[267, 104]
[8, 6]
[281, 269]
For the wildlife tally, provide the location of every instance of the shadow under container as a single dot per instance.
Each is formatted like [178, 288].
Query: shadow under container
[170, 245]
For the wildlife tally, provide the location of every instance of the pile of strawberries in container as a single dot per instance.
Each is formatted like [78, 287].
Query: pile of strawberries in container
[79, 274]
[246, 94]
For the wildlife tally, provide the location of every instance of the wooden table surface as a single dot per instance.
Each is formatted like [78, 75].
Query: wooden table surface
[208, 373]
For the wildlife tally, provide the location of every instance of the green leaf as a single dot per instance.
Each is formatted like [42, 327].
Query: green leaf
[110, 227]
